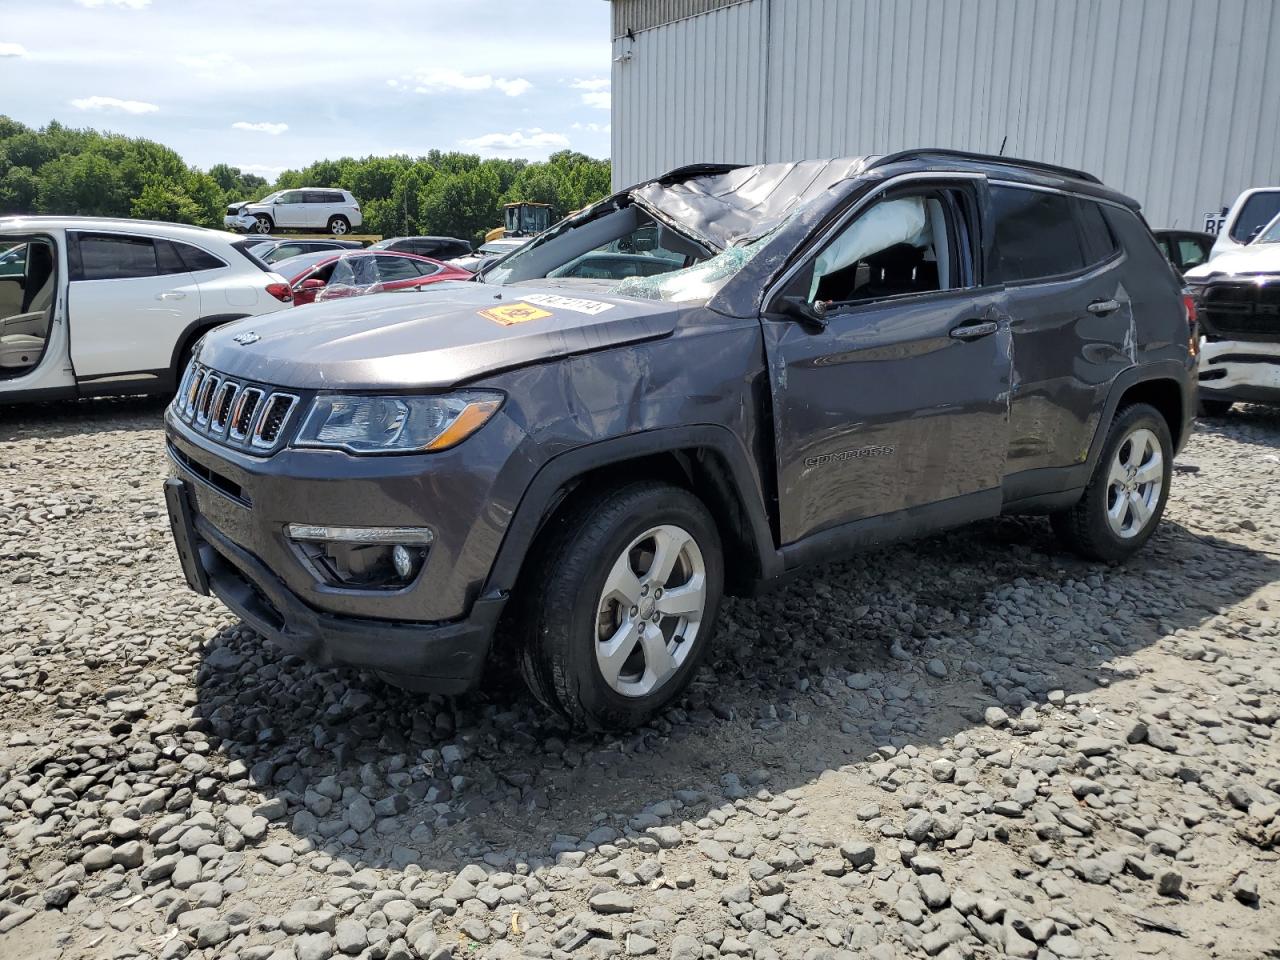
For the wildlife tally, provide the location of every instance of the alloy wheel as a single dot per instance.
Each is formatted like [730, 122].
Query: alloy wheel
[650, 610]
[1134, 483]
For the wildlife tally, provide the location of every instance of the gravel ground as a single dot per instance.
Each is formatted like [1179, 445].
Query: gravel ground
[970, 746]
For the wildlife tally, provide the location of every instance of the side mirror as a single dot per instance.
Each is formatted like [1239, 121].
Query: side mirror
[313, 283]
[811, 316]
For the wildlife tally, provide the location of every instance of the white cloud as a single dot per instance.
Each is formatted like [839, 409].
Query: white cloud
[600, 100]
[275, 129]
[596, 83]
[593, 127]
[129, 4]
[12, 50]
[531, 139]
[512, 88]
[444, 80]
[215, 66]
[114, 103]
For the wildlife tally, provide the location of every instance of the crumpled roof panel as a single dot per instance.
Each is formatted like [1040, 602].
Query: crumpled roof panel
[727, 208]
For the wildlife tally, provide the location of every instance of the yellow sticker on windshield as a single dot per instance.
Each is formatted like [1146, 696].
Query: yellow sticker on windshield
[512, 313]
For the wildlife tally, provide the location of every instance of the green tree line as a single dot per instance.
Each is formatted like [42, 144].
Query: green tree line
[61, 170]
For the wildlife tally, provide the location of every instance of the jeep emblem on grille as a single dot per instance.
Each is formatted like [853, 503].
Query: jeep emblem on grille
[244, 339]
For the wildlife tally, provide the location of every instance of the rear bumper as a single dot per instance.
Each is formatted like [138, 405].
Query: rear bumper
[1240, 370]
[437, 657]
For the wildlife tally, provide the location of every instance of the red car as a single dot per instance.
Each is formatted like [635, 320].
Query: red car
[326, 275]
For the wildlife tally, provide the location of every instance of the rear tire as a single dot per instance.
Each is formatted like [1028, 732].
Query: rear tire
[600, 623]
[339, 226]
[1215, 408]
[263, 224]
[1124, 501]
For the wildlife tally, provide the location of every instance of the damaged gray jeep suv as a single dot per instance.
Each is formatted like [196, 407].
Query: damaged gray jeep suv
[692, 387]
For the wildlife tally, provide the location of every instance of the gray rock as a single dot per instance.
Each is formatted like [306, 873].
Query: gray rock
[1245, 889]
[612, 901]
[213, 933]
[857, 853]
[360, 815]
[313, 946]
[933, 891]
[995, 717]
[1169, 883]
[638, 946]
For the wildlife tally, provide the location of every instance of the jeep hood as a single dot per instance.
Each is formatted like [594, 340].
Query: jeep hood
[1255, 258]
[447, 334]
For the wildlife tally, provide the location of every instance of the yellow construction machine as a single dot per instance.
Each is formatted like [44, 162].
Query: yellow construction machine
[523, 219]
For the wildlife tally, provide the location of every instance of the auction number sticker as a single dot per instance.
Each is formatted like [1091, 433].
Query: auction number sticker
[574, 304]
[510, 314]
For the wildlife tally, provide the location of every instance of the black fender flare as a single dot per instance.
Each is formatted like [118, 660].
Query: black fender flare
[542, 495]
[1174, 371]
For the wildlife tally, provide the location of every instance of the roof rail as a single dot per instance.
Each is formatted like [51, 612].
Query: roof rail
[923, 152]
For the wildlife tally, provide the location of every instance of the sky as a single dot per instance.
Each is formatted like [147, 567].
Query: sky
[268, 85]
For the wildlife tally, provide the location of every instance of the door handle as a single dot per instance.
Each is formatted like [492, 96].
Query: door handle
[973, 330]
[1102, 307]
[171, 295]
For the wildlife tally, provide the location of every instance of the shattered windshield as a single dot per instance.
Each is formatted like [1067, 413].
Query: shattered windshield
[699, 282]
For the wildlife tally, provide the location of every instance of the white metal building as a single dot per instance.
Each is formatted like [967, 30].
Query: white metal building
[1176, 102]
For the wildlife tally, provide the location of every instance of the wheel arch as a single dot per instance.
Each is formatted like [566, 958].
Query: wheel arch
[1166, 385]
[706, 460]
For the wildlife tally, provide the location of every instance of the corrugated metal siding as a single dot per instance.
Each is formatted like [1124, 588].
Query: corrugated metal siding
[1176, 102]
[688, 93]
[637, 15]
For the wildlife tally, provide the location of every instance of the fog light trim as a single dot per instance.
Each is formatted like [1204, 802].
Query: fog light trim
[413, 536]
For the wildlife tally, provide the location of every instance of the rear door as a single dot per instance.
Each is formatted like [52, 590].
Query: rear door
[129, 300]
[1072, 320]
[901, 400]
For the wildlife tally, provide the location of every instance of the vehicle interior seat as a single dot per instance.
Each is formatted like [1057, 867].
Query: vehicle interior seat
[22, 335]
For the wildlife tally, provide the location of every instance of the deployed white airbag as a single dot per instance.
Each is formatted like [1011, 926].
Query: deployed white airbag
[885, 224]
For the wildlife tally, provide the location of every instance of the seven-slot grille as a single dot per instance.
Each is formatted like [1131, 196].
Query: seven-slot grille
[250, 416]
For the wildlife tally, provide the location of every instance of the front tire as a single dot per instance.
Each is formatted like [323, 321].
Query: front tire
[1122, 505]
[263, 224]
[1215, 408]
[621, 605]
[338, 226]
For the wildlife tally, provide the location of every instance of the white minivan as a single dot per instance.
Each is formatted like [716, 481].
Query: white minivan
[91, 306]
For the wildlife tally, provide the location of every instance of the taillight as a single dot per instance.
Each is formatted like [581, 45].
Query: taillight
[1193, 332]
[280, 291]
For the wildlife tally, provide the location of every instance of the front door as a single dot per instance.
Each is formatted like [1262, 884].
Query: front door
[129, 300]
[290, 210]
[902, 400]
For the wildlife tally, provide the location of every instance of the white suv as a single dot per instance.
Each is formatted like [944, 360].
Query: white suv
[309, 208]
[92, 306]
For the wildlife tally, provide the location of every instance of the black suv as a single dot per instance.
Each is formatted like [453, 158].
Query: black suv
[839, 353]
[437, 248]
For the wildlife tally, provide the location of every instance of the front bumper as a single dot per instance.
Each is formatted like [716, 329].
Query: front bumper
[437, 657]
[1240, 370]
[242, 223]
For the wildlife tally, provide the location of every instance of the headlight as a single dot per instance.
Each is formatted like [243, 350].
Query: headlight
[395, 424]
